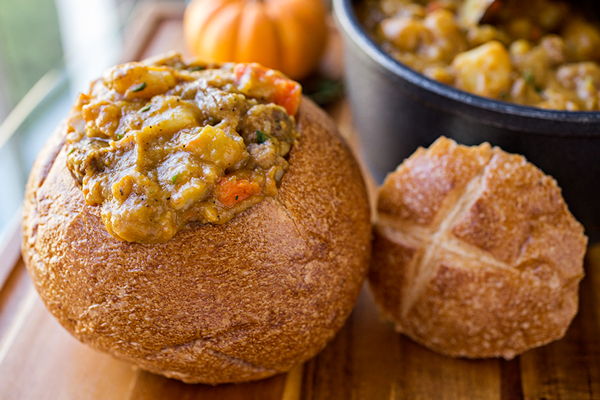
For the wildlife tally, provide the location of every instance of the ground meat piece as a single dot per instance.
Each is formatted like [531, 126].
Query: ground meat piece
[270, 119]
[571, 75]
[582, 39]
[554, 46]
[265, 155]
[217, 105]
[86, 158]
[536, 63]
[584, 79]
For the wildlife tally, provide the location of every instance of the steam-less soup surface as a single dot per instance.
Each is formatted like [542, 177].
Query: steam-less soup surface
[538, 53]
[164, 143]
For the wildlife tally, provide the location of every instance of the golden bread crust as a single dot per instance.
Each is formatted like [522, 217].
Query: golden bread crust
[494, 271]
[217, 303]
[424, 184]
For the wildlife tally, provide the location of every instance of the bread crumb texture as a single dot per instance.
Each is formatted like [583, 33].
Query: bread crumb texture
[475, 252]
[217, 303]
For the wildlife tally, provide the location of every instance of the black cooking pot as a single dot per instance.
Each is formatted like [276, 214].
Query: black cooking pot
[396, 110]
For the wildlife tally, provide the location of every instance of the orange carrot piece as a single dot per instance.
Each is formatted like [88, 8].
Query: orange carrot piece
[288, 95]
[232, 190]
[254, 80]
[433, 6]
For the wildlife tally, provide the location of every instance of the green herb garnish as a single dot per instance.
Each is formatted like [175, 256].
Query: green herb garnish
[589, 81]
[530, 80]
[261, 137]
[139, 87]
[149, 106]
[120, 136]
[174, 178]
[72, 150]
[197, 68]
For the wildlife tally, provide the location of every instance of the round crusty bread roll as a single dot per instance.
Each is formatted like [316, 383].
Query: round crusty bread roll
[475, 252]
[216, 303]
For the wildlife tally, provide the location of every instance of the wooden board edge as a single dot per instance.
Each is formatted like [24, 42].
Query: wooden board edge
[12, 333]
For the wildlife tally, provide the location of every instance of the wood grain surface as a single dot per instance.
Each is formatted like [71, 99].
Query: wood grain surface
[366, 360]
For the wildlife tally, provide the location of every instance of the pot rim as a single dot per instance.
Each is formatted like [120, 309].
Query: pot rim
[348, 20]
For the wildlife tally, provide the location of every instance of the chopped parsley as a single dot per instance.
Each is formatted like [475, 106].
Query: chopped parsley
[197, 68]
[120, 136]
[149, 106]
[261, 137]
[72, 150]
[589, 81]
[174, 178]
[530, 80]
[139, 87]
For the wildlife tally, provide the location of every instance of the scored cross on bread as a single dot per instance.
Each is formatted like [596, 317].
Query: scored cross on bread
[475, 252]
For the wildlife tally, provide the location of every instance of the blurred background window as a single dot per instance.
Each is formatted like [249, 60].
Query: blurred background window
[50, 50]
[30, 45]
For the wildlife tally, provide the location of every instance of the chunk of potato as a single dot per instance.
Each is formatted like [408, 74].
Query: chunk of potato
[478, 35]
[520, 47]
[169, 117]
[139, 81]
[102, 119]
[195, 189]
[404, 32]
[484, 70]
[440, 74]
[213, 145]
[582, 40]
[446, 35]
[442, 24]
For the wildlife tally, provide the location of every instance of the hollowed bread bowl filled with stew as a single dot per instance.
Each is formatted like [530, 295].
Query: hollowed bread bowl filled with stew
[400, 103]
[203, 222]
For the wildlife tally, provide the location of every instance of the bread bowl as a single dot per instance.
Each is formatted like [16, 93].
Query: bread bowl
[229, 302]
[475, 252]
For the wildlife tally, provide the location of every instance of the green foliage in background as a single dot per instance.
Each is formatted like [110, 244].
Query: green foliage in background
[30, 45]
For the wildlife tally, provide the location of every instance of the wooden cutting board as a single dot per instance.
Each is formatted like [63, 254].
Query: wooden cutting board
[367, 359]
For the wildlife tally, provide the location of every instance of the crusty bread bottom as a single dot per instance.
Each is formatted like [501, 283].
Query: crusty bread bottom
[227, 303]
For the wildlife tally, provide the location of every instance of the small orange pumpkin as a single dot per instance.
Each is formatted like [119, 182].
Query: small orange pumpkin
[287, 35]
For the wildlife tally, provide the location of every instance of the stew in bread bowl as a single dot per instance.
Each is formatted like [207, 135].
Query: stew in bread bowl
[202, 299]
[159, 145]
[475, 253]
